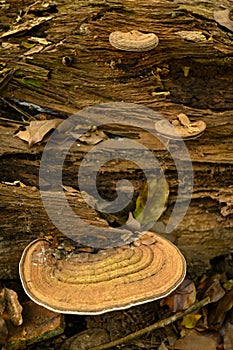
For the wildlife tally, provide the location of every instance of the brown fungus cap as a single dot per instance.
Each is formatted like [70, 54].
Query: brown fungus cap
[182, 126]
[133, 41]
[112, 279]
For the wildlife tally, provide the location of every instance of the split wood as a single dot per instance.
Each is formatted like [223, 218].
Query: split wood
[154, 326]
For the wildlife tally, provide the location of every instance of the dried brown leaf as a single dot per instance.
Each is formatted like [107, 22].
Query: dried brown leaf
[70, 189]
[182, 298]
[228, 337]
[3, 331]
[36, 131]
[13, 307]
[36, 49]
[224, 305]
[93, 136]
[162, 346]
[222, 17]
[194, 341]
[2, 301]
[214, 290]
[39, 324]
[41, 41]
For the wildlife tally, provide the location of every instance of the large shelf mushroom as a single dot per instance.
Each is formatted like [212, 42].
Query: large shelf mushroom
[111, 279]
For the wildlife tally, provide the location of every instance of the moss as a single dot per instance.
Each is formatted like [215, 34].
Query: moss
[215, 61]
[31, 82]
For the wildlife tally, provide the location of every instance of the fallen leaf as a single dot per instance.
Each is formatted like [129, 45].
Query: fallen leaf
[2, 301]
[214, 289]
[162, 346]
[222, 17]
[228, 337]
[27, 45]
[203, 281]
[182, 298]
[151, 201]
[70, 189]
[35, 49]
[36, 131]
[228, 285]
[41, 41]
[93, 136]
[224, 305]
[3, 331]
[189, 321]
[13, 307]
[194, 341]
[39, 324]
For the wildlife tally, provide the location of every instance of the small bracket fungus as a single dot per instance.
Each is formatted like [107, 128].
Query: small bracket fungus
[181, 127]
[133, 41]
[111, 279]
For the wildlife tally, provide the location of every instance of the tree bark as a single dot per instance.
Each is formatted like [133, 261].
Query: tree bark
[79, 68]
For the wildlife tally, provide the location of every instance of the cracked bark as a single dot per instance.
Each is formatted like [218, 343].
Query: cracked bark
[193, 77]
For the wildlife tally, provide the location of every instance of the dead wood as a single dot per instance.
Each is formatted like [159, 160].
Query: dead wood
[78, 67]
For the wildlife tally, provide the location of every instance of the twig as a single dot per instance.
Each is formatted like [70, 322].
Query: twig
[154, 326]
[6, 79]
[12, 105]
[7, 120]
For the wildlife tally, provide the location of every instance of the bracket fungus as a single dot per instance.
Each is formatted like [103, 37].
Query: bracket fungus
[111, 279]
[181, 127]
[133, 41]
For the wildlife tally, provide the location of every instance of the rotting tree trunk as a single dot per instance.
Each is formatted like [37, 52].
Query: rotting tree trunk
[193, 76]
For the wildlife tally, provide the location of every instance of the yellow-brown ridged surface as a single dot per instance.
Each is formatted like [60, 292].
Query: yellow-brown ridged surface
[111, 279]
[133, 41]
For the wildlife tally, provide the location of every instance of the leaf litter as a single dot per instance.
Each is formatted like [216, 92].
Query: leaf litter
[182, 298]
[195, 341]
[37, 130]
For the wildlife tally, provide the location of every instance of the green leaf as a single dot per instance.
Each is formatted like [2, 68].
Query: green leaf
[27, 45]
[152, 200]
[31, 82]
[228, 285]
[190, 321]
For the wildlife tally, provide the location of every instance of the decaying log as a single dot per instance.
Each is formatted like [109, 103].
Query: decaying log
[206, 230]
[190, 71]
[98, 72]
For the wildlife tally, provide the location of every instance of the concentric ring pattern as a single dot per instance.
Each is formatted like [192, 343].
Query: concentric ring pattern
[111, 279]
[133, 41]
